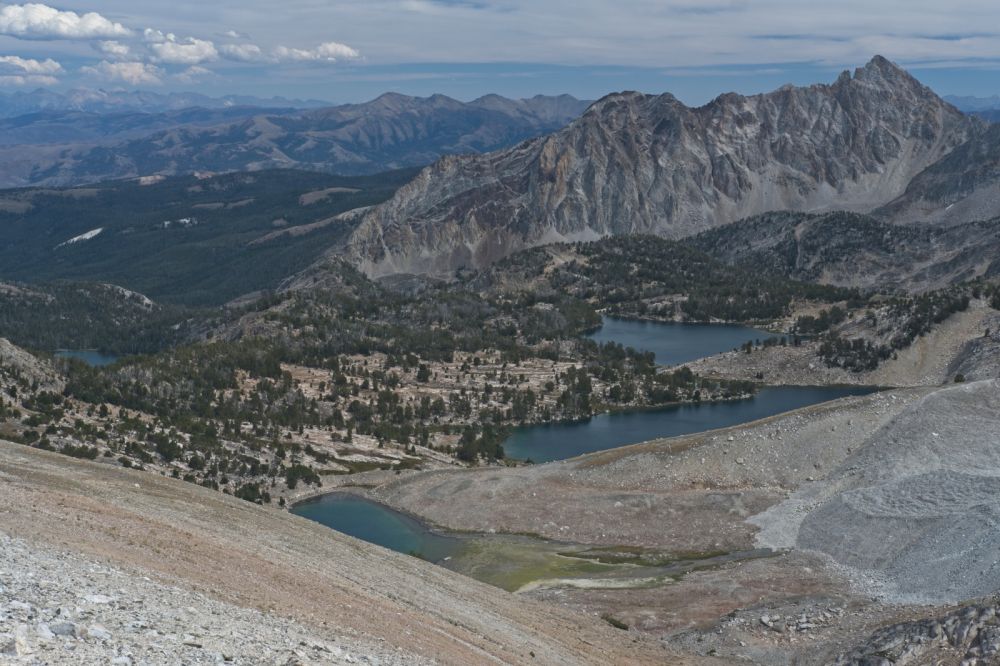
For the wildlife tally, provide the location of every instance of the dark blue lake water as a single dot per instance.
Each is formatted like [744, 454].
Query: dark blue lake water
[672, 343]
[89, 357]
[676, 343]
[543, 443]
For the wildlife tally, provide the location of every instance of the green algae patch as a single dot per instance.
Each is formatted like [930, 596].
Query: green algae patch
[513, 563]
[641, 557]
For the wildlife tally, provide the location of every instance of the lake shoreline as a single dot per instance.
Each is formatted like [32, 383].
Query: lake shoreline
[764, 324]
[608, 430]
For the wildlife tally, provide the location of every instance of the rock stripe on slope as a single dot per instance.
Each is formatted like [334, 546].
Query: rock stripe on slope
[915, 515]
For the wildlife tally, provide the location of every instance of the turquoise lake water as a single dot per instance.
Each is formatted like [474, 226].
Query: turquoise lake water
[378, 524]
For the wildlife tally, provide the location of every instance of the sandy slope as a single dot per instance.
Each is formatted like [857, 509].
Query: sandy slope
[340, 589]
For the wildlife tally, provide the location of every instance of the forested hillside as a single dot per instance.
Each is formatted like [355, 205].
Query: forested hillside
[186, 240]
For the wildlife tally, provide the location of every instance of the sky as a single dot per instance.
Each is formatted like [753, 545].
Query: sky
[353, 51]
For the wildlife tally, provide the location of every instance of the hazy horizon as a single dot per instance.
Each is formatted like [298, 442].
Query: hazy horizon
[350, 52]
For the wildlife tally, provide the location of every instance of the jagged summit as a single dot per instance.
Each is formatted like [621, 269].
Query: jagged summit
[638, 163]
[881, 66]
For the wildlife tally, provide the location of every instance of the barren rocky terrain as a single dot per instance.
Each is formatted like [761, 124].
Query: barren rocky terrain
[59, 607]
[914, 509]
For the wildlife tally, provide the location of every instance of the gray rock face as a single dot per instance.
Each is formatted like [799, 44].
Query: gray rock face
[960, 187]
[970, 634]
[636, 163]
[854, 250]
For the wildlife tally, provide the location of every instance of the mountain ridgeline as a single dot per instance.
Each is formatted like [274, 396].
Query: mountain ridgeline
[636, 163]
[74, 146]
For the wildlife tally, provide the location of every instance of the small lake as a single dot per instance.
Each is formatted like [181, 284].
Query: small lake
[675, 343]
[375, 523]
[510, 562]
[558, 441]
[88, 356]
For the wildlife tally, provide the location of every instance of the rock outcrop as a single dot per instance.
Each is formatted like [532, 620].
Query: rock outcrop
[968, 635]
[20, 369]
[960, 187]
[853, 250]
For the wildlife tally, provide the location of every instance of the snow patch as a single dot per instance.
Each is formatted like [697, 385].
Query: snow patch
[82, 237]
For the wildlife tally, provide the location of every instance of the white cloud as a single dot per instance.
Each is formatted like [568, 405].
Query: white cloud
[325, 52]
[18, 71]
[18, 80]
[135, 73]
[19, 66]
[242, 52]
[38, 21]
[153, 36]
[329, 51]
[657, 34]
[190, 51]
[684, 38]
[113, 49]
[194, 74]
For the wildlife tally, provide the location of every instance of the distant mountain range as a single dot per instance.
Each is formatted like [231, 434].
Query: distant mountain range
[876, 140]
[66, 129]
[77, 146]
[516, 174]
[987, 108]
[115, 101]
[971, 104]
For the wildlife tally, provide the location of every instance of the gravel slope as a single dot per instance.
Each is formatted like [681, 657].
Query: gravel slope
[915, 513]
[340, 590]
[58, 607]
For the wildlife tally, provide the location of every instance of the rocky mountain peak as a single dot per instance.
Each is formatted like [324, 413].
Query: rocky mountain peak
[884, 75]
[637, 163]
[880, 67]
